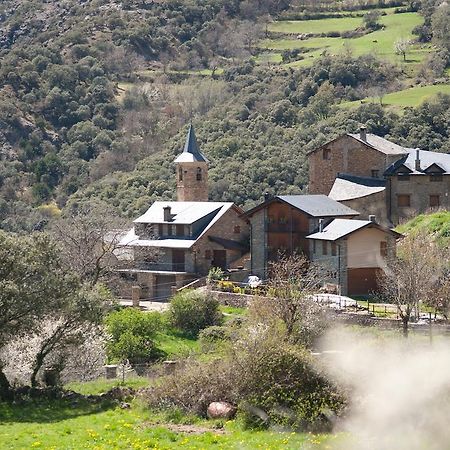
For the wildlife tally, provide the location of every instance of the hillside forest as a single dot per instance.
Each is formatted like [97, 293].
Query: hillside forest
[96, 95]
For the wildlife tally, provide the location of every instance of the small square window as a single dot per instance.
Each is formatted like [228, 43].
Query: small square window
[404, 200]
[207, 254]
[282, 220]
[326, 154]
[236, 229]
[375, 173]
[434, 201]
[436, 177]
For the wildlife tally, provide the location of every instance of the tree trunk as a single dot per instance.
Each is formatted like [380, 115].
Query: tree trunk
[405, 328]
[36, 367]
[5, 387]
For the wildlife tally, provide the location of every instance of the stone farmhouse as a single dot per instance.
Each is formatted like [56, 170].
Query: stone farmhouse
[377, 177]
[354, 251]
[282, 224]
[175, 243]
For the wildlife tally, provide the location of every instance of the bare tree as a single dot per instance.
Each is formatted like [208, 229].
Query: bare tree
[410, 277]
[89, 238]
[292, 284]
[440, 300]
[402, 46]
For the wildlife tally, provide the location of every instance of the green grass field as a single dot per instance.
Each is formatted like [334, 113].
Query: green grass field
[58, 424]
[316, 26]
[410, 97]
[380, 42]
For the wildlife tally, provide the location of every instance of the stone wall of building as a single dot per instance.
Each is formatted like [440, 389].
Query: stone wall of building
[419, 188]
[258, 243]
[335, 265]
[189, 187]
[230, 227]
[344, 155]
[375, 204]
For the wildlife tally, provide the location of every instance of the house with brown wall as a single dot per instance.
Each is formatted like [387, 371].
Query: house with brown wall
[282, 223]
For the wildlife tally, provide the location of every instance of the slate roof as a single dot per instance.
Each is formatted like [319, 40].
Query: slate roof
[191, 152]
[181, 212]
[381, 144]
[348, 187]
[340, 228]
[427, 159]
[318, 205]
[131, 240]
[373, 141]
[313, 205]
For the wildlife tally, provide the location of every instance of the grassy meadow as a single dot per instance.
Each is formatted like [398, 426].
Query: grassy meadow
[380, 42]
[58, 424]
[410, 97]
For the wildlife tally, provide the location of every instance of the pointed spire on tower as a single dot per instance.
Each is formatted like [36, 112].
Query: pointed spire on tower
[191, 152]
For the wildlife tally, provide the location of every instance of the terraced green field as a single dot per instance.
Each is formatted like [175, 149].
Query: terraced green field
[316, 26]
[408, 97]
[380, 42]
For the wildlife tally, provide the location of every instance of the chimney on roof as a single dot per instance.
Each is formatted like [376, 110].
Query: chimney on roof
[267, 196]
[418, 159]
[167, 214]
[372, 218]
[320, 225]
[363, 133]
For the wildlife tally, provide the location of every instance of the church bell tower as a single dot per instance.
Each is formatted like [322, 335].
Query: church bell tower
[191, 172]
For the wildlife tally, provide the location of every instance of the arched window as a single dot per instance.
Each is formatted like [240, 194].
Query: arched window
[199, 174]
[180, 174]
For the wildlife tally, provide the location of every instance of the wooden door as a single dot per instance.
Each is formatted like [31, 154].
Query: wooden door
[219, 259]
[363, 281]
[178, 260]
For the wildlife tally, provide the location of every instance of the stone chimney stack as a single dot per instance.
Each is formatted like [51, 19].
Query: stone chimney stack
[418, 159]
[372, 218]
[320, 225]
[167, 214]
[267, 196]
[363, 133]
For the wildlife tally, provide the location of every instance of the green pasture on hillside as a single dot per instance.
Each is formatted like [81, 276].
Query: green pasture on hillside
[316, 26]
[380, 42]
[410, 97]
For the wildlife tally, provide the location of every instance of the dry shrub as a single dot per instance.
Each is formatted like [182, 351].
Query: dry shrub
[260, 369]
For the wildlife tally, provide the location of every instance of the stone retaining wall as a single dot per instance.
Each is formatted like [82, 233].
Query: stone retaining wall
[231, 299]
[346, 317]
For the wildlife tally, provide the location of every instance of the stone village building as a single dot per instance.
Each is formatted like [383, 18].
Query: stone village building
[175, 243]
[354, 252]
[377, 177]
[351, 178]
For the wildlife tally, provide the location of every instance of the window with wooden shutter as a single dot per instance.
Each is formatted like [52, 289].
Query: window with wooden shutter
[404, 200]
[434, 201]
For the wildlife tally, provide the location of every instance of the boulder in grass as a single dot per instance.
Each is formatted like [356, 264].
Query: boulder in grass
[220, 410]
